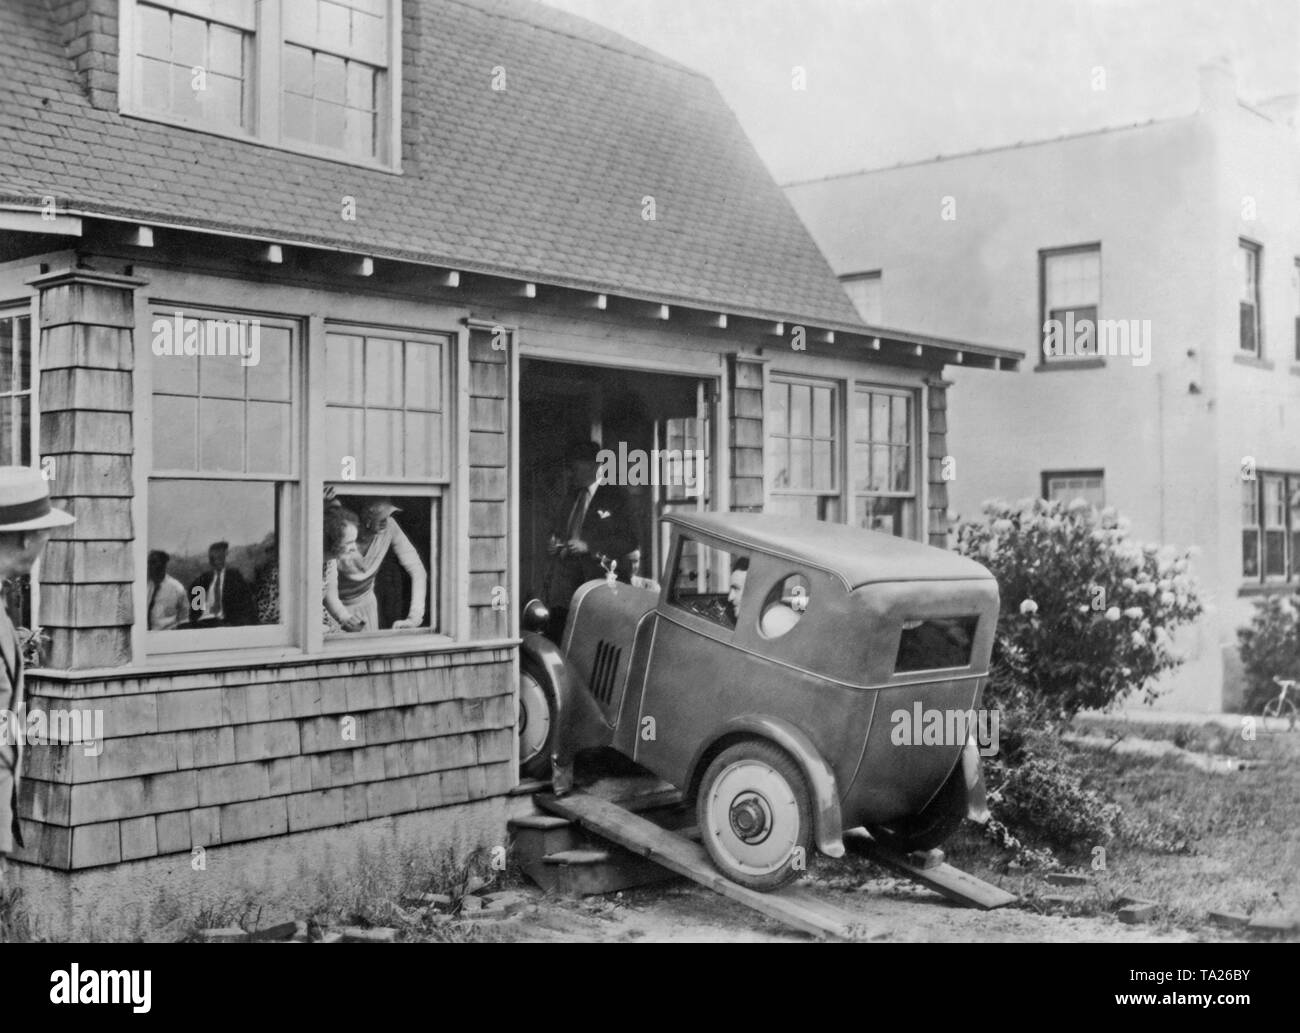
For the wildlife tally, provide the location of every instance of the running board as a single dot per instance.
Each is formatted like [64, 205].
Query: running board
[953, 883]
[793, 906]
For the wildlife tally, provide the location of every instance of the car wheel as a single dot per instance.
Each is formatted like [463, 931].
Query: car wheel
[754, 815]
[536, 721]
[932, 826]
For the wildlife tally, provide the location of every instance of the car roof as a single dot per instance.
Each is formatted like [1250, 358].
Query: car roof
[856, 555]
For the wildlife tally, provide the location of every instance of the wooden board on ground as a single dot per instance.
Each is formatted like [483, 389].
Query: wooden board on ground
[952, 882]
[792, 906]
[634, 792]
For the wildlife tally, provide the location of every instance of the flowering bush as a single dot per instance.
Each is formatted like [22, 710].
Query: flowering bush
[1087, 614]
[1270, 647]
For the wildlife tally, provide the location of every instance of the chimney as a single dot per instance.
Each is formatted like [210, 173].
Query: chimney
[1218, 84]
[89, 30]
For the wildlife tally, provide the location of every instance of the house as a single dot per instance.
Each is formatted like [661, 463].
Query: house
[397, 251]
[1176, 241]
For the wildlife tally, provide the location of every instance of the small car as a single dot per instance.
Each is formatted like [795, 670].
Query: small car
[769, 678]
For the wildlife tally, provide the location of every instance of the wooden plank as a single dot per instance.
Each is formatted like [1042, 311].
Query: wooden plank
[791, 906]
[953, 883]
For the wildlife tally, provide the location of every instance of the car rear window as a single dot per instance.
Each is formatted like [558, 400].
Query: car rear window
[935, 643]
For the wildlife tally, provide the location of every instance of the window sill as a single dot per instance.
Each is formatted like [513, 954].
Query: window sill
[1252, 360]
[232, 660]
[306, 150]
[1069, 364]
[1269, 588]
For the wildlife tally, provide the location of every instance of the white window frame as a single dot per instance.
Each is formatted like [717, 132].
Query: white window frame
[264, 81]
[18, 308]
[1045, 259]
[837, 490]
[914, 445]
[236, 639]
[1256, 251]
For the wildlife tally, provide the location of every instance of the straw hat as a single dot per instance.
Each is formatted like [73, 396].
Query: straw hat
[25, 501]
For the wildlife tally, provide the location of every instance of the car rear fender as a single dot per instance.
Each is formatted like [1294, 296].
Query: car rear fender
[825, 802]
[578, 719]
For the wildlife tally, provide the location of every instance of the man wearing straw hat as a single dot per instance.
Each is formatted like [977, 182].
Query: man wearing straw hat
[26, 522]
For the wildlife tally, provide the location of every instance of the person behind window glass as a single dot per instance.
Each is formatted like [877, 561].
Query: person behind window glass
[226, 598]
[378, 533]
[340, 542]
[739, 575]
[169, 606]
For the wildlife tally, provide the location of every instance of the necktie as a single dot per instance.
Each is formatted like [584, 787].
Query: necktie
[218, 584]
[577, 514]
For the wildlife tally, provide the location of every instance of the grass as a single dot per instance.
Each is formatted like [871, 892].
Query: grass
[1190, 841]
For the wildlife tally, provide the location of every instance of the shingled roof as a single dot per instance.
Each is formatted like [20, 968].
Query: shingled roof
[543, 181]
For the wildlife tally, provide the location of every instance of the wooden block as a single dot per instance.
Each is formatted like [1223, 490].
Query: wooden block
[279, 701]
[86, 606]
[306, 698]
[354, 803]
[488, 414]
[315, 810]
[193, 708]
[173, 831]
[489, 380]
[481, 349]
[1134, 914]
[139, 838]
[746, 433]
[747, 494]
[355, 935]
[49, 846]
[489, 484]
[212, 746]
[1067, 879]
[746, 462]
[96, 844]
[1275, 923]
[266, 740]
[384, 726]
[368, 764]
[747, 404]
[394, 796]
[455, 786]
[78, 388]
[86, 430]
[46, 802]
[321, 734]
[488, 554]
[279, 776]
[254, 820]
[80, 344]
[495, 746]
[1228, 919]
[501, 777]
[205, 826]
[137, 755]
[476, 780]
[747, 375]
[340, 767]
[332, 694]
[80, 563]
[98, 519]
[233, 782]
[488, 448]
[79, 299]
[227, 934]
[436, 685]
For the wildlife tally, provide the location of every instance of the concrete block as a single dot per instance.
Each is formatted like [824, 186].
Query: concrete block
[315, 810]
[96, 844]
[139, 838]
[233, 782]
[173, 832]
[254, 819]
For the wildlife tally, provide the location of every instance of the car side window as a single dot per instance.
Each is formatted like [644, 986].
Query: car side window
[709, 582]
[784, 606]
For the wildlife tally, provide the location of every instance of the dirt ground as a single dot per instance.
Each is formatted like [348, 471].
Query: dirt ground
[892, 910]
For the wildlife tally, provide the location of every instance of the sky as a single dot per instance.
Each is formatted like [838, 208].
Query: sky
[889, 81]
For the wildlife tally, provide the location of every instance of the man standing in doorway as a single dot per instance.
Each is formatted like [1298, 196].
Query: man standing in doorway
[26, 522]
[594, 528]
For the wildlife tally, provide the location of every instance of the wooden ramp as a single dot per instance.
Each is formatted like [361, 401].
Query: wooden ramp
[953, 883]
[792, 906]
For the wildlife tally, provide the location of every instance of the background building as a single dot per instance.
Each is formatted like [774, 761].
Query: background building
[1189, 226]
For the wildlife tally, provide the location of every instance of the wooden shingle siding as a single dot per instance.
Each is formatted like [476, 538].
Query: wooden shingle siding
[86, 399]
[745, 382]
[937, 448]
[489, 480]
[311, 746]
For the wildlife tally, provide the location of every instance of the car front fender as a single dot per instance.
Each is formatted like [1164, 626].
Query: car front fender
[578, 720]
[827, 820]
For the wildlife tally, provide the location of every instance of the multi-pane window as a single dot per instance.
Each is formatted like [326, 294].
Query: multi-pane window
[333, 66]
[1071, 293]
[195, 68]
[1270, 534]
[224, 468]
[385, 405]
[884, 487]
[17, 424]
[1297, 317]
[803, 448]
[314, 75]
[1068, 485]
[1249, 256]
[863, 290]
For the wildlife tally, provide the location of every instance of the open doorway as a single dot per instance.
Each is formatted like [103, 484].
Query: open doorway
[627, 412]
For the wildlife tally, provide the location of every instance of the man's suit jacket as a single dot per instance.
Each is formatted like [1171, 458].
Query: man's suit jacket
[608, 528]
[237, 598]
[11, 688]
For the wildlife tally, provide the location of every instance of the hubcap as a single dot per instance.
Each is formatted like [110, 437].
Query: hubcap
[534, 718]
[753, 817]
